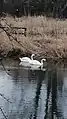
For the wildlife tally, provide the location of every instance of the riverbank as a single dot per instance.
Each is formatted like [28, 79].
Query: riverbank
[46, 37]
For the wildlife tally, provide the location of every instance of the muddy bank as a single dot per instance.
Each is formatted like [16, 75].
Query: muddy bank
[47, 38]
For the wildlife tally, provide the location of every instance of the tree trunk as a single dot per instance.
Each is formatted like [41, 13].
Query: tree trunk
[1, 5]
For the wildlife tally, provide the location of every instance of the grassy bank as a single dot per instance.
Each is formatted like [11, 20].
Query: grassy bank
[46, 37]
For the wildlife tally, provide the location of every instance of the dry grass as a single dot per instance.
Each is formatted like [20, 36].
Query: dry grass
[46, 37]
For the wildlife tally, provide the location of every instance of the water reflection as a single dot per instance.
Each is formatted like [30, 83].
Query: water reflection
[34, 94]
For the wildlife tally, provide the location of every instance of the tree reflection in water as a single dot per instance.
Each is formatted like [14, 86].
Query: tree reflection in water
[53, 112]
[40, 77]
[38, 91]
[26, 89]
[37, 76]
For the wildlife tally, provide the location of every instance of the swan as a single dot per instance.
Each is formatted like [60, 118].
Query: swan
[33, 64]
[27, 59]
[24, 64]
[36, 63]
[31, 67]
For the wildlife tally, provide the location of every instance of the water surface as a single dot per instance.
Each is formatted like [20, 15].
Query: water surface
[32, 94]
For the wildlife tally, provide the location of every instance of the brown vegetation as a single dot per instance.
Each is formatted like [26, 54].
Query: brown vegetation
[46, 37]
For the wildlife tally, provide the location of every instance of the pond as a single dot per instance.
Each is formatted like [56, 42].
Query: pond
[32, 94]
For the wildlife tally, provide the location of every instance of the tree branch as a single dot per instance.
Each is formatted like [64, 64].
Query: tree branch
[3, 113]
[5, 97]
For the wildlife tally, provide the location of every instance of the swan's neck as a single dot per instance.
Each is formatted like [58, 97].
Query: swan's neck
[31, 57]
[42, 62]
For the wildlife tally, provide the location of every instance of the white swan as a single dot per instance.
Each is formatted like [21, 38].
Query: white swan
[33, 64]
[24, 64]
[27, 66]
[27, 59]
[36, 63]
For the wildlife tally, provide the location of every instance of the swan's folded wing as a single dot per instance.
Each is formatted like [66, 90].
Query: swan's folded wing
[35, 62]
[25, 59]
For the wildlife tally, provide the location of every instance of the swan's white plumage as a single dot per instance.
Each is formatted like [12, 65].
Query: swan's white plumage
[24, 64]
[37, 63]
[26, 59]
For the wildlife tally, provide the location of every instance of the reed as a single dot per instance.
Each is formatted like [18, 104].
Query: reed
[46, 37]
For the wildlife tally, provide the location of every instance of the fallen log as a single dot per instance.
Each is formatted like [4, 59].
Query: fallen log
[25, 29]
